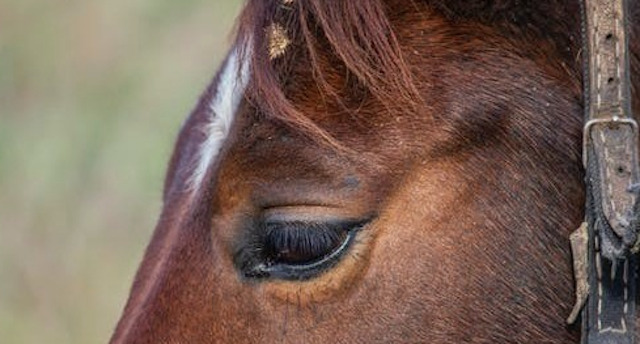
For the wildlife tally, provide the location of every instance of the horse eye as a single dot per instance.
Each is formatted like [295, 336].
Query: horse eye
[301, 244]
[297, 250]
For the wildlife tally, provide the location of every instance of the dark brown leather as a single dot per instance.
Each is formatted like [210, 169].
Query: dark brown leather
[611, 163]
[610, 129]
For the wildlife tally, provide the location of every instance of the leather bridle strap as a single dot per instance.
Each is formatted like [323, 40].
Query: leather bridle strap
[606, 268]
[610, 132]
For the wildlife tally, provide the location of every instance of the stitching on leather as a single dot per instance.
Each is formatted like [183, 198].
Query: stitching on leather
[599, 277]
[597, 62]
[625, 272]
[618, 73]
[625, 280]
[598, 72]
[605, 153]
[603, 44]
[598, 103]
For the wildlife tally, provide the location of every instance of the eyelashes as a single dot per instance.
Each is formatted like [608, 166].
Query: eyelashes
[299, 242]
[294, 250]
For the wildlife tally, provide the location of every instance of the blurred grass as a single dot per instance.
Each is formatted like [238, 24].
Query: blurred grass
[92, 94]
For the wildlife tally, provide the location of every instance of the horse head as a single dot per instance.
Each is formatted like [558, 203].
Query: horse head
[375, 171]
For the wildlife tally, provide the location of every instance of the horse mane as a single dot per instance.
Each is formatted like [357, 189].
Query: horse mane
[360, 36]
[358, 33]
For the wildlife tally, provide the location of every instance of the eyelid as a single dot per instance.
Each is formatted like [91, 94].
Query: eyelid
[309, 214]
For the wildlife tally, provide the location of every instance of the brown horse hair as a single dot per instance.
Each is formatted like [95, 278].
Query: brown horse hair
[358, 33]
[361, 38]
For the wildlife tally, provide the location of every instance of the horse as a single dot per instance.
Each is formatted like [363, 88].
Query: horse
[377, 171]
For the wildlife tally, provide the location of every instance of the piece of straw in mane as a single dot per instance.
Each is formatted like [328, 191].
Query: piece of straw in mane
[360, 36]
[278, 41]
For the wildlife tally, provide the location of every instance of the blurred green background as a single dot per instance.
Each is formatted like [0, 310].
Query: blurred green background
[92, 94]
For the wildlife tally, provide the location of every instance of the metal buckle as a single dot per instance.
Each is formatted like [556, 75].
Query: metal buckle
[615, 120]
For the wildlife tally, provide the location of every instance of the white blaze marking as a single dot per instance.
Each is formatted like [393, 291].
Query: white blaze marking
[222, 110]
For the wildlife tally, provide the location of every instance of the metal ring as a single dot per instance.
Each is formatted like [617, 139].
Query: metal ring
[614, 120]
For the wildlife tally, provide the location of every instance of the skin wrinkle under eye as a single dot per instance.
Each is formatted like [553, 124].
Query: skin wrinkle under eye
[223, 107]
